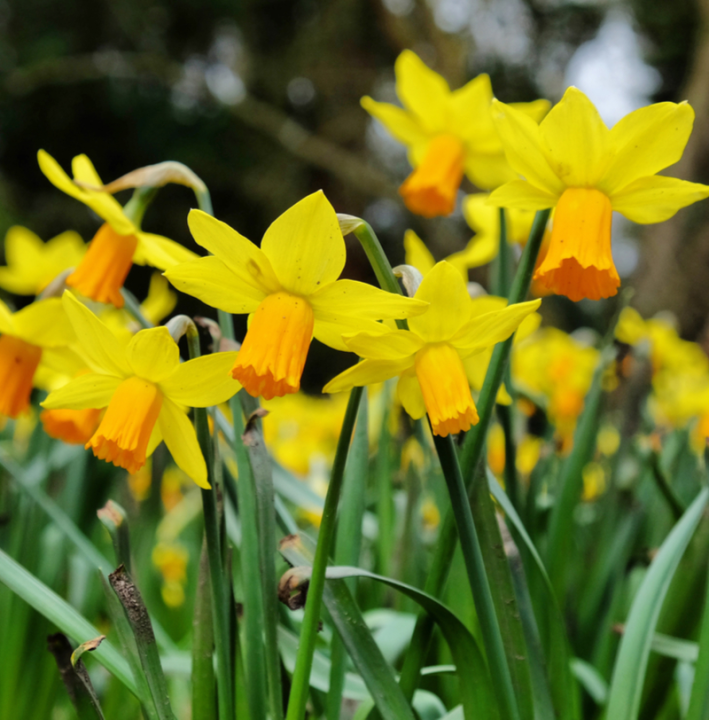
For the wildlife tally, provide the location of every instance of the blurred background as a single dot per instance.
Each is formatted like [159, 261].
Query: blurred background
[261, 99]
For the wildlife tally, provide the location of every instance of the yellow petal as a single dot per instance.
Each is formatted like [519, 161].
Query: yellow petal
[22, 247]
[215, 284]
[329, 328]
[487, 330]
[160, 252]
[416, 253]
[424, 92]
[357, 299]
[255, 276]
[536, 109]
[576, 140]
[103, 204]
[181, 441]
[444, 288]
[523, 147]
[367, 372]
[153, 354]
[305, 245]
[83, 393]
[103, 351]
[522, 195]
[656, 198]
[408, 390]
[401, 124]
[161, 300]
[203, 382]
[44, 323]
[471, 116]
[487, 171]
[392, 345]
[7, 323]
[647, 141]
[479, 251]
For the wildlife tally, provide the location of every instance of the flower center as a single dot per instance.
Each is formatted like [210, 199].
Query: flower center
[102, 271]
[124, 433]
[445, 389]
[432, 187]
[273, 353]
[18, 362]
[74, 427]
[579, 263]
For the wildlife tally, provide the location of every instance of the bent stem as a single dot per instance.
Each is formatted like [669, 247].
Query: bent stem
[308, 633]
[220, 595]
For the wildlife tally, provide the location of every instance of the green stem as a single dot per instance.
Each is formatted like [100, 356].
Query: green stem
[473, 557]
[133, 307]
[699, 698]
[502, 267]
[220, 595]
[254, 620]
[301, 677]
[505, 414]
[203, 645]
[135, 208]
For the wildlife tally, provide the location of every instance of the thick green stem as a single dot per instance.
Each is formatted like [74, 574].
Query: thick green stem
[473, 557]
[301, 677]
[203, 705]
[220, 594]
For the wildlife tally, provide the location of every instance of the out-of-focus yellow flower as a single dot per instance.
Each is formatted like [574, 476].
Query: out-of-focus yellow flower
[496, 449]
[33, 264]
[145, 389]
[172, 487]
[171, 560]
[118, 243]
[412, 454]
[553, 365]
[594, 481]
[290, 286]
[528, 452]
[608, 440]
[430, 514]
[429, 356]
[447, 133]
[302, 429]
[140, 481]
[28, 335]
[572, 162]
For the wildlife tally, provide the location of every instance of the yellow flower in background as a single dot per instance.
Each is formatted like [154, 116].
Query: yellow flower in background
[28, 336]
[171, 559]
[302, 429]
[448, 134]
[572, 162]
[33, 264]
[118, 243]
[496, 449]
[555, 369]
[145, 390]
[290, 285]
[428, 358]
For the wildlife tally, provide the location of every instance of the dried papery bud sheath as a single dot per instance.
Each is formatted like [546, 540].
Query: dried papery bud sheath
[179, 326]
[410, 277]
[157, 175]
[142, 628]
[293, 587]
[349, 223]
[57, 287]
[74, 676]
[113, 517]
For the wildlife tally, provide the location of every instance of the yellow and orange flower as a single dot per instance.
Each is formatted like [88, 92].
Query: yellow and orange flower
[28, 336]
[572, 162]
[290, 287]
[145, 390]
[448, 134]
[118, 243]
[429, 358]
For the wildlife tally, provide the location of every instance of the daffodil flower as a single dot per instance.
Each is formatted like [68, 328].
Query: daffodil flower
[33, 264]
[290, 285]
[145, 390]
[429, 357]
[27, 335]
[574, 163]
[118, 243]
[447, 133]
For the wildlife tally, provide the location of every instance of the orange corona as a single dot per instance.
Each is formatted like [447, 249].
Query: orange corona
[124, 433]
[273, 353]
[100, 275]
[18, 362]
[432, 188]
[74, 427]
[445, 389]
[579, 263]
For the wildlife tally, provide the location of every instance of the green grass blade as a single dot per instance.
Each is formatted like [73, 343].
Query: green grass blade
[631, 662]
[699, 698]
[46, 602]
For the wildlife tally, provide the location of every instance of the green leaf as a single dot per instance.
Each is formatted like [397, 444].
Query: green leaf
[593, 682]
[631, 661]
[46, 602]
